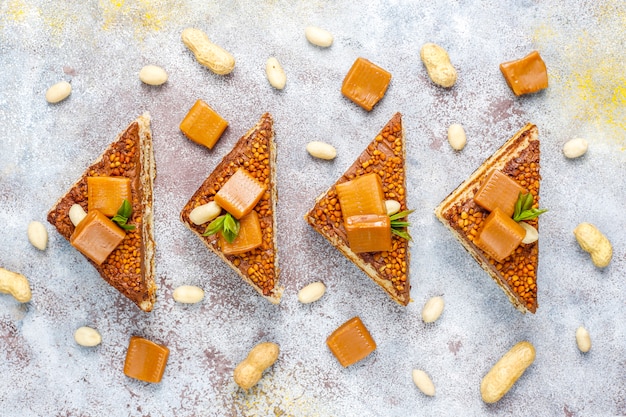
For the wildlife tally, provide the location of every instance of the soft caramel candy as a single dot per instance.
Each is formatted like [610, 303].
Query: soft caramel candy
[498, 190]
[145, 360]
[240, 193]
[107, 194]
[369, 233]
[526, 75]
[362, 195]
[351, 342]
[96, 236]
[250, 236]
[366, 83]
[203, 125]
[500, 235]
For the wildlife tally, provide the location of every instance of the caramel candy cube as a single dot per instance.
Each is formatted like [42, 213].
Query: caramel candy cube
[145, 360]
[203, 125]
[500, 235]
[106, 194]
[526, 75]
[351, 342]
[240, 193]
[365, 84]
[96, 236]
[369, 233]
[498, 190]
[362, 195]
[248, 238]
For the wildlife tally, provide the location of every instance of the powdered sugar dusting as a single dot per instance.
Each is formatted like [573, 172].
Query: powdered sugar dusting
[99, 47]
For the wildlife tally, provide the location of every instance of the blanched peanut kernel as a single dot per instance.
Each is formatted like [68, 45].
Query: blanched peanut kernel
[432, 309]
[188, 294]
[423, 382]
[153, 75]
[318, 36]
[583, 340]
[456, 137]
[392, 207]
[575, 148]
[37, 235]
[58, 92]
[531, 233]
[311, 292]
[321, 150]
[76, 214]
[205, 213]
[275, 73]
[88, 337]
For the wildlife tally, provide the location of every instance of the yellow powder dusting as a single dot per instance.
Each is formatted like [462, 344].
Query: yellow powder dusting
[16, 11]
[144, 16]
[588, 78]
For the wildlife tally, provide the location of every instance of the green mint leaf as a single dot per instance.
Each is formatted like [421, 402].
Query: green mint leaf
[527, 203]
[529, 214]
[225, 224]
[403, 234]
[122, 216]
[215, 226]
[518, 205]
[397, 223]
[400, 215]
[126, 209]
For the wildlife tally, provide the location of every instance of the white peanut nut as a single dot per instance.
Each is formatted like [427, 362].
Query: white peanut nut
[507, 371]
[392, 207]
[423, 382]
[275, 73]
[312, 292]
[249, 372]
[456, 136]
[438, 65]
[432, 309]
[76, 214]
[321, 150]
[37, 235]
[212, 56]
[205, 213]
[153, 75]
[58, 92]
[188, 294]
[531, 236]
[15, 284]
[87, 337]
[583, 340]
[575, 148]
[318, 36]
[593, 241]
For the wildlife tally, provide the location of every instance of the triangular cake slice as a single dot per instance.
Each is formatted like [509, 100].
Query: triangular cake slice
[384, 156]
[130, 267]
[516, 275]
[255, 153]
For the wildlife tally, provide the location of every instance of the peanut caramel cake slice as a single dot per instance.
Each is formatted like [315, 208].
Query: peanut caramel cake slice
[233, 211]
[356, 216]
[494, 215]
[107, 214]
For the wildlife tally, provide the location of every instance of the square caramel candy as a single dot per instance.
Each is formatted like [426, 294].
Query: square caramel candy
[96, 236]
[250, 236]
[107, 194]
[500, 235]
[369, 233]
[145, 360]
[203, 125]
[240, 194]
[351, 342]
[498, 190]
[362, 195]
[526, 75]
[366, 83]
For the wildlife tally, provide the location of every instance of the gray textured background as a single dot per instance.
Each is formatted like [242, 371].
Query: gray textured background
[100, 47]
